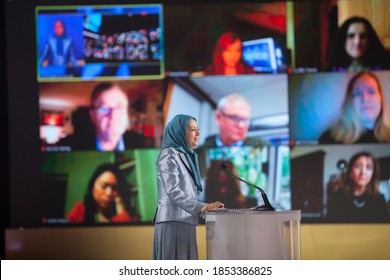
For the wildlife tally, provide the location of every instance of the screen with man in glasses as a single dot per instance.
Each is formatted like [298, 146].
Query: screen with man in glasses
[243, 122]
[100, 116]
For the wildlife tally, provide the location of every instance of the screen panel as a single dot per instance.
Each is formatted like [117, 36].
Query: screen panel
[319, 174]
[319, 102]
[74, 174]
[291, 105]
[331, 25]
[141, 120]
[261, 153]
[213, 27]
[99, 42]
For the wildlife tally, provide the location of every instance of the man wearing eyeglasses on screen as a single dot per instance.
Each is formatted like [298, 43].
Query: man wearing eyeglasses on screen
[233, 120]
[109, 115]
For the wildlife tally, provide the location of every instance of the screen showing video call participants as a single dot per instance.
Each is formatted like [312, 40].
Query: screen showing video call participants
[309, 113]
[92, 42]
[322, 176]
[252, 112]
[71, 119]
[252, 35]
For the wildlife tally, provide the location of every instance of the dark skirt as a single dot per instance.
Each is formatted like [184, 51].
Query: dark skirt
[174, 241]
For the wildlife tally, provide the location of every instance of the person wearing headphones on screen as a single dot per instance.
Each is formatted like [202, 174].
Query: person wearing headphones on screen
[227, 57]
[357, 47]
[357, 198]
[365, 114]
[178, 184]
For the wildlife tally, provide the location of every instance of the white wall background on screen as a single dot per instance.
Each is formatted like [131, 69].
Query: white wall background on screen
[266, 93]
[182, 102]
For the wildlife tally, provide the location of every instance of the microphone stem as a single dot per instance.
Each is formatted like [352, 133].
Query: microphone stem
[267, 205]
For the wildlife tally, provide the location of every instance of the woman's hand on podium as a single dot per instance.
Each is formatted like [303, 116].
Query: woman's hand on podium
[212, 206]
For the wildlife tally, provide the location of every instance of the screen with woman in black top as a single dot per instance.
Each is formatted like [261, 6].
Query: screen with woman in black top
[344, 108]
[315, 74]
[356, 196]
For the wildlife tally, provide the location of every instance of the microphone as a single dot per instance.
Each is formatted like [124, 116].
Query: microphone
[267, 206]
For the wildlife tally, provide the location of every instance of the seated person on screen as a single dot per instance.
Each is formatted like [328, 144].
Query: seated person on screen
[108, 114]
[227, 57]
[357, 198]
[233, 118]
[221, 186]
[365, 116]
[356, 47]
[59, 50]
[107, 199]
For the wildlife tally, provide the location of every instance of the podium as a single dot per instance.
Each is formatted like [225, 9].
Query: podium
[253, 235]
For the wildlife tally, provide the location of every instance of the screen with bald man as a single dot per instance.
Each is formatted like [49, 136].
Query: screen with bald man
[90, 87]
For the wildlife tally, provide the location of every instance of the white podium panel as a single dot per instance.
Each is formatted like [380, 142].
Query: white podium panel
[253, 235]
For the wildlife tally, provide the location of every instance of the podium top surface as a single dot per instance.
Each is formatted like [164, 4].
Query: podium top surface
[282, 214]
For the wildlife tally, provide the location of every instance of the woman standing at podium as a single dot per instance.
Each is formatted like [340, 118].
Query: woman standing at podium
[178, 183]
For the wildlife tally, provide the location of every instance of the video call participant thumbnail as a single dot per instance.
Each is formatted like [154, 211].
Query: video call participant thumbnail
[227, 57]
[107, 199]
[107, 126]
[365, 115]
[357, 47]
[233, 118]
[356, 197]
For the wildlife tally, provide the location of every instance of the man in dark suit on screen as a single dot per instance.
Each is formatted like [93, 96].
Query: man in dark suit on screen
[233, 119]
[104, 125]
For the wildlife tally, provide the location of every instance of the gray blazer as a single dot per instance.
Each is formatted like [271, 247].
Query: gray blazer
[177, 192]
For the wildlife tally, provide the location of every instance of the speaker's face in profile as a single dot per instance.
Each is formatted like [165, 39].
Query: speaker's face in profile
[110, 114]
[356, 40]
[367, 100]
[192, 134]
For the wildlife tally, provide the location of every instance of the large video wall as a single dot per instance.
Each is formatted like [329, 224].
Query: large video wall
[292, 96]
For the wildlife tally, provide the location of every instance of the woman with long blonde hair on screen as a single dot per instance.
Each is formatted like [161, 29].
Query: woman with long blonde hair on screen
[365, 115]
